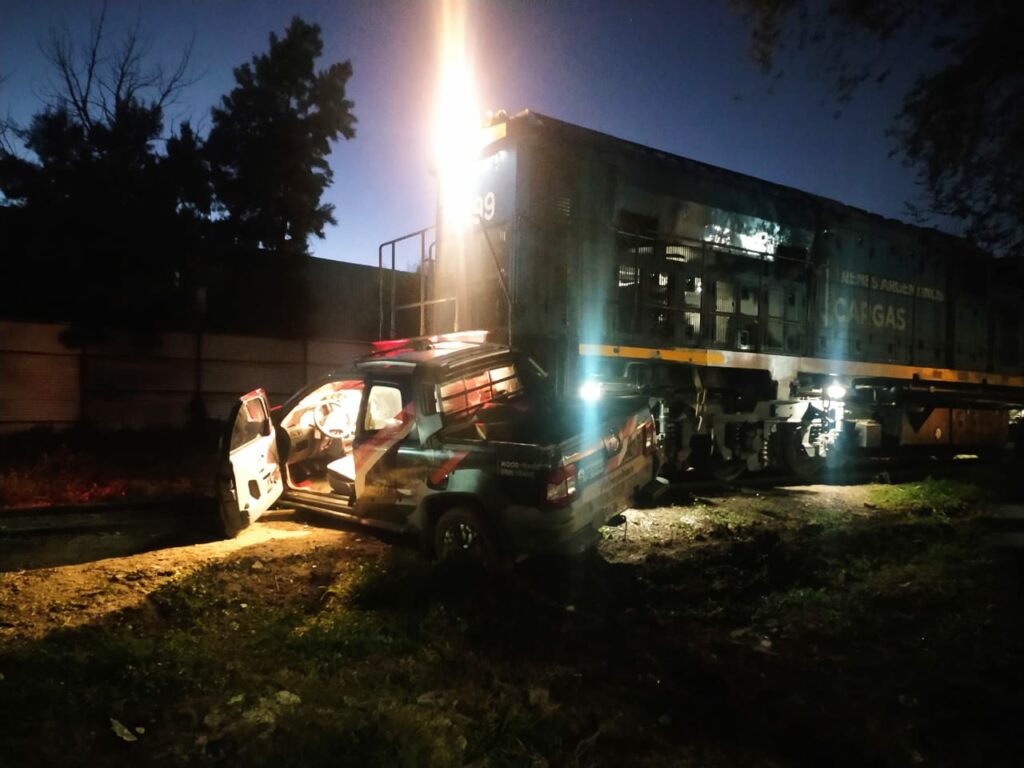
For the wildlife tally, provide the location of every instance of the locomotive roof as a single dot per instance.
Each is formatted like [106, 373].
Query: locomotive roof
[797, 202]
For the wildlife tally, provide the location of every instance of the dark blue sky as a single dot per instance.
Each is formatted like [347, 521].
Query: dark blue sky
[670, 75]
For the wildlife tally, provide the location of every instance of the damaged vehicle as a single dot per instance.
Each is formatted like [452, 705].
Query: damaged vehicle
[455, 441]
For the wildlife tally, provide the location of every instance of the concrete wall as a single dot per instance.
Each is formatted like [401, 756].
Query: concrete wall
[115, 384]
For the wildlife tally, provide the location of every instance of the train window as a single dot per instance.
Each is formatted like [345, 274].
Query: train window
[661, 323]
[773, 335]
[722, 323]
[793, 305]
[627, 278]
[725, 298]
[692, 291]
[747, 334]
[748, 301]
[795, 339]
[691, 326]
[627, 275]
[624, 314]
[776, 298]
[659, 288]
[681, 253]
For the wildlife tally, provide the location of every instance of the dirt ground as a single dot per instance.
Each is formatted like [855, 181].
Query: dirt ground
[791, 626]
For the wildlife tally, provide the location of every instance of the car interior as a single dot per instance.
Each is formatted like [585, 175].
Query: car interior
[322, 428]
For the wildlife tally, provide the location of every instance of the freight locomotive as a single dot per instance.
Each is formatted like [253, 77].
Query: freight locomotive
[768, 325]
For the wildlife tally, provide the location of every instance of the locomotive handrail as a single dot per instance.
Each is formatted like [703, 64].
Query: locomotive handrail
[424, 252]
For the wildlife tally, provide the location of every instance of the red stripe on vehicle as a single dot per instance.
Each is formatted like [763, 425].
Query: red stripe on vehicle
[376, 447]
[448, 467]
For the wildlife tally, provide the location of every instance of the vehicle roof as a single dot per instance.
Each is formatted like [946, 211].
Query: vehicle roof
[432, 358]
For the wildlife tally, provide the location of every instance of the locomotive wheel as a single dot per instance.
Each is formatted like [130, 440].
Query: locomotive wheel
[725, 471]
[795, 457]
[709, 463]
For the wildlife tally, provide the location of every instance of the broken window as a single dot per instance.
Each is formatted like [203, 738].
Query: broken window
[466, 394]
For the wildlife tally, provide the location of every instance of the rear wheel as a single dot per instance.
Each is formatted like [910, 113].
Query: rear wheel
[462, 534]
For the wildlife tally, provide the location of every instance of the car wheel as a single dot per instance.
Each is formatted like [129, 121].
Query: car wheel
[461, 534]
[232, 519]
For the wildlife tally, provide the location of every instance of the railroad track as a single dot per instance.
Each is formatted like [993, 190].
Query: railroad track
[889, 470]
[47, 536]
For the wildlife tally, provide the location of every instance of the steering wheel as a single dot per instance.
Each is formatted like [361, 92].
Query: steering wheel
[332, 419]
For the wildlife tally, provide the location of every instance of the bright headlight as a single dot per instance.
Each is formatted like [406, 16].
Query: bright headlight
[591, 390]
[835, 391]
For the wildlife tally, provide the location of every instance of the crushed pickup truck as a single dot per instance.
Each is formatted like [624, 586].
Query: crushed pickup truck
[455, 441]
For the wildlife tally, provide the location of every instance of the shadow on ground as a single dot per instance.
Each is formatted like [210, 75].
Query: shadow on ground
[852, 644]
[91, 536]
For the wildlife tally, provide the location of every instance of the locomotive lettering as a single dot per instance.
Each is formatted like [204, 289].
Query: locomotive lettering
[876, 283]
[866, 313]
[484, 206]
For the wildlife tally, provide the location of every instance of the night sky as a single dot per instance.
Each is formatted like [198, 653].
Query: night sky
[675, 76]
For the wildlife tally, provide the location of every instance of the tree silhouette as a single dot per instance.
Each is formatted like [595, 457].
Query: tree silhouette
[93, 205]
[270, 140]
[961, 125]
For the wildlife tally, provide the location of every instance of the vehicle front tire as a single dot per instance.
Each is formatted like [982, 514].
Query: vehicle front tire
[461, 534]
[233, 520]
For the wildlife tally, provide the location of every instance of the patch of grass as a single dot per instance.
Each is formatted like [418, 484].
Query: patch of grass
[931, 496]
[938, 568]
[804, 607]
[830, 518]
[735, 518]
[370, 668]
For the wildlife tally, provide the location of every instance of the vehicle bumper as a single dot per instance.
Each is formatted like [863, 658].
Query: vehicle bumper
[576, 528]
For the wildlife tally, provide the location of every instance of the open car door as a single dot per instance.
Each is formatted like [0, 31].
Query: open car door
[249, 481]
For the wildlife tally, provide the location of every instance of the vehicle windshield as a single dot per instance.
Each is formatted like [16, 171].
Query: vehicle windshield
[347, 393]
[463, 396]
